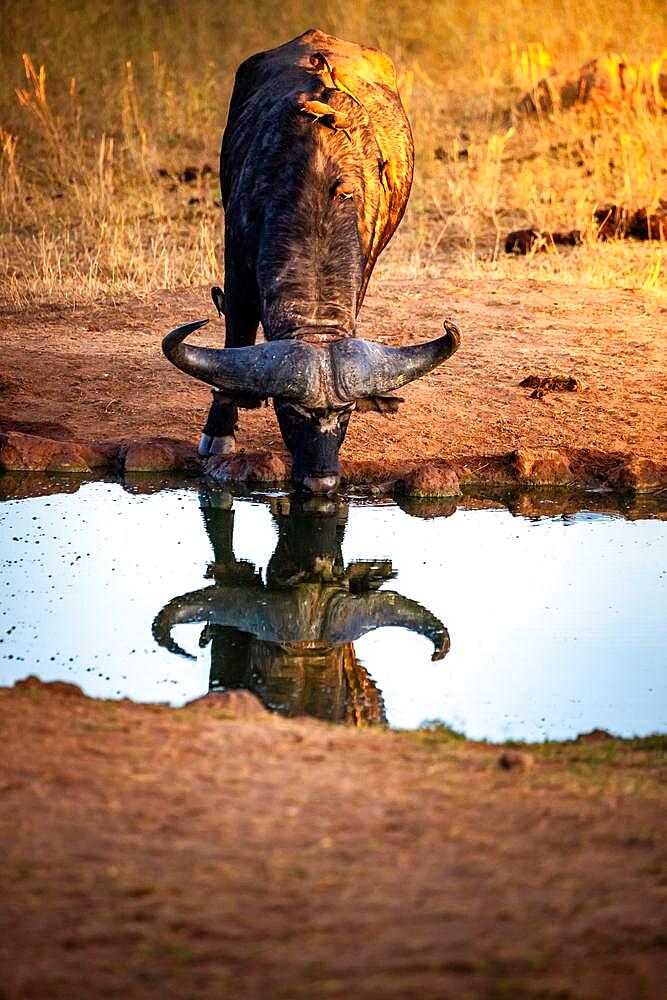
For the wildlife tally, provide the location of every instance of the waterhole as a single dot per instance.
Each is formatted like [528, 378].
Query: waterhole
[531, 621]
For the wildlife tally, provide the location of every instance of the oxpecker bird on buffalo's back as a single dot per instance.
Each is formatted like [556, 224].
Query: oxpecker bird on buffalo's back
[315, 172]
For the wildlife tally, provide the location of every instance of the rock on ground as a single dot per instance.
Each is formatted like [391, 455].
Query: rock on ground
[248, 467]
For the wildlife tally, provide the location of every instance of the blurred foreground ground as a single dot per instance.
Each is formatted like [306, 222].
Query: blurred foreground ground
[152, 852]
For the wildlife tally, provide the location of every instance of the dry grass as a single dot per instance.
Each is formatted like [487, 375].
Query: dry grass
[102, 106]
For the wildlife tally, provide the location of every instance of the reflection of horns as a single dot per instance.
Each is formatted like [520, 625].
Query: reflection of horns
[382, 608]
[241, 606]
[287, 616]
[180, 611]
[315, 376]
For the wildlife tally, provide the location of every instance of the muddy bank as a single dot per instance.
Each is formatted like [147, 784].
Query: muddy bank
[96, 376]
[526, 500]
[154, 851]
[529, 467]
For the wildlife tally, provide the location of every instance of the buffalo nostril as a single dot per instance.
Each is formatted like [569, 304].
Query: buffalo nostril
[320, 484]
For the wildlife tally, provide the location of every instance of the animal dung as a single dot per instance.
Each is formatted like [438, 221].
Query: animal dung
[613, 222]
[188, 175]
[522, 241]
[605, 82]
[551, 383]
[617, 222]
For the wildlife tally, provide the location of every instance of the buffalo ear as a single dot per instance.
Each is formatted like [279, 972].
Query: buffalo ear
[379, 404]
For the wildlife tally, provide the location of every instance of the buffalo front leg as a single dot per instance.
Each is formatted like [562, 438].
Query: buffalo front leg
[218, 434]
[240, 305]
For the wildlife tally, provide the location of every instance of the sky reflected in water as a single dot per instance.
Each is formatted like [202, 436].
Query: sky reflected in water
[557, 625]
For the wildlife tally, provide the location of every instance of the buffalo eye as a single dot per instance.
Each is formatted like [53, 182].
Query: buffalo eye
[342, 190]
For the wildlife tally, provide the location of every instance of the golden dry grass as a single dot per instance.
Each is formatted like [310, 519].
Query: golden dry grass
[96, 100]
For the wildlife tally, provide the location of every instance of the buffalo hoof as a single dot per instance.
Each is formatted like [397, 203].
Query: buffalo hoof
[225, 445]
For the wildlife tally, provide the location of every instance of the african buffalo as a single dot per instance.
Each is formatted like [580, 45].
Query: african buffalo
[315, 171]
[291, 640]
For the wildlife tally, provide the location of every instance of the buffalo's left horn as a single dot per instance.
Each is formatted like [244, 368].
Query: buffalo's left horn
[282, 368]
[363, 368]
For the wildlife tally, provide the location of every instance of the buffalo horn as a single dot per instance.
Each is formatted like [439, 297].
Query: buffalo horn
[313, 376]
[363, 368]
[282, 368]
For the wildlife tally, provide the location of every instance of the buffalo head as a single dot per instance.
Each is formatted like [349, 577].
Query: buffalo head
[314, 387]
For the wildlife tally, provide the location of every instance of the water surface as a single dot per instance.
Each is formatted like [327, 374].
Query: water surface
[499, 625]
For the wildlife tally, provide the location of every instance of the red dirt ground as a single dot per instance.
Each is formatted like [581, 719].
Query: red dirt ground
[152, 852]
[98, 373]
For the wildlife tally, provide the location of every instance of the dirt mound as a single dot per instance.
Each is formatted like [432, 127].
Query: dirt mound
[609, 81]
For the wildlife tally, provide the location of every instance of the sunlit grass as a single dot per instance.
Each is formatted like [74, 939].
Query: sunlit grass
[102, 107]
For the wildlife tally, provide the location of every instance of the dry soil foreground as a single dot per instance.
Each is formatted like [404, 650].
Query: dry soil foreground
[152, 852]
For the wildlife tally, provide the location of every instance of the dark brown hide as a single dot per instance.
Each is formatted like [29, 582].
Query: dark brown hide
[315, 172]
[270, 89]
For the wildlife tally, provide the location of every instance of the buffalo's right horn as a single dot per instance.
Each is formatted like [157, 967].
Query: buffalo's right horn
[286, 368]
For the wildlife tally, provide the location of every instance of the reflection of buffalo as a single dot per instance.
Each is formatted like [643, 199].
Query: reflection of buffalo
[291, 639]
